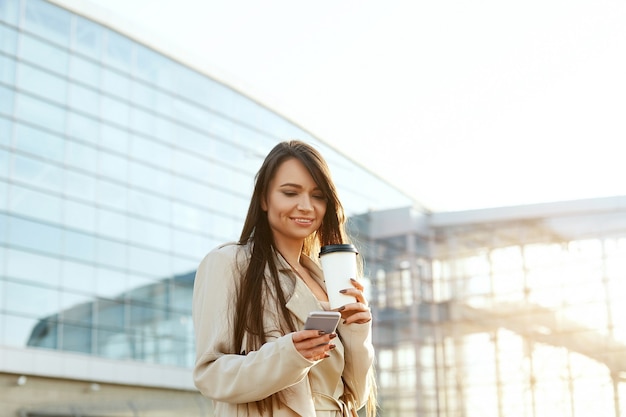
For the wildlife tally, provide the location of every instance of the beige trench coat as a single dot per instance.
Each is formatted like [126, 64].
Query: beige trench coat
[234, 382]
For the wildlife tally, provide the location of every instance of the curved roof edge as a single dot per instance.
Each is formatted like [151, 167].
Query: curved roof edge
[180, 54]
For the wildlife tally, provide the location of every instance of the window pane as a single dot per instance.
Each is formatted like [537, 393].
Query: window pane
[113, 166]
[112, 254]
[145, 204]
[5, 139]
[22, 331]
[143, 122]
[116, 84]
[110, 194]
[9, 10]
[113, 138]
[41, 83]
[37, 173]
[117, 52]
[150, 178]
[7, 70]
[83, 128]
[48, 21]
[35, 51]
[110, 283]
[78, 276]
[79, 216]
[8, 40]
[6, 101]
[38, 142]
[81, 156]
[152, 67]
[38, 236]
[32, 267]
[84, 99]
[88, 37]
[79, 246]
[40, 113]
[80, 185]
[35, 204]
[114, 111]
[112, 224]
[147, 233]
[84, 71]
[150, 151]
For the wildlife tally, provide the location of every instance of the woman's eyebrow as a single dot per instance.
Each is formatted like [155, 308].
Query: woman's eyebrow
[291, 184]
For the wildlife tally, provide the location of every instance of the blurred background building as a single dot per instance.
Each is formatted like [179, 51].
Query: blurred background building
[121, 165]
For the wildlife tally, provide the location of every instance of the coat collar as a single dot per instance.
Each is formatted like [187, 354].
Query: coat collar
[302, 300]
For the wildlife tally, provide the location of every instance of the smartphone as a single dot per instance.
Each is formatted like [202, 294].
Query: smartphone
[323, 320]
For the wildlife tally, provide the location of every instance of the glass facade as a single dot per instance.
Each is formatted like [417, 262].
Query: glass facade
[119, 169]
[501, 312]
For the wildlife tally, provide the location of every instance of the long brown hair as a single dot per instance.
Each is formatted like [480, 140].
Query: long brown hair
[256, 232]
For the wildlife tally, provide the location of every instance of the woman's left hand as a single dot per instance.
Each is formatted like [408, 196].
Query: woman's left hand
[357, 312]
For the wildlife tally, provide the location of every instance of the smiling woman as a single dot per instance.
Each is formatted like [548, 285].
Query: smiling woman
[251, 301]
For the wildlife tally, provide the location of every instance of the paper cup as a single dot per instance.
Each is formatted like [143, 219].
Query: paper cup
[339, 264]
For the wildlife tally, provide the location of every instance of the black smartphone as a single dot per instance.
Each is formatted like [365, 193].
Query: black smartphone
[326, 321]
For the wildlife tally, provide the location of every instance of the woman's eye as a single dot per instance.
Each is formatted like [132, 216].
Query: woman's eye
[289, 193]
[319, 197]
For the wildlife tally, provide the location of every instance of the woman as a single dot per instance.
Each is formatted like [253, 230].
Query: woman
[251, 300]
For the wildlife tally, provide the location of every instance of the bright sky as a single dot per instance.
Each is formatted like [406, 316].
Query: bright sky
[463, 104]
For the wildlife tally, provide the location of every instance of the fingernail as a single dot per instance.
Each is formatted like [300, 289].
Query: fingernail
[343, 291]
[331, 347]
[326, 355]
[345, 321]
[333, 335]
[341, 308]
[321, 332]
[352, 279]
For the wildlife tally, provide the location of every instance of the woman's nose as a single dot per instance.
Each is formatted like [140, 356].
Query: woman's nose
[304, 204]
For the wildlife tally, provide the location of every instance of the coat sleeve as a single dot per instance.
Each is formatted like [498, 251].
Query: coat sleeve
[219, 373]
[359, 359]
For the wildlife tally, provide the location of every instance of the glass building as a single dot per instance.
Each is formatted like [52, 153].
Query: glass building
[507, 312]
[120, 168]
[122, 165]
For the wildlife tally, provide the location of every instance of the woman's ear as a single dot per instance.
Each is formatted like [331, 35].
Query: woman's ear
[263, 204]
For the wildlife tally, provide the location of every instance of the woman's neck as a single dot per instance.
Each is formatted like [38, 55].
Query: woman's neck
[290, 251]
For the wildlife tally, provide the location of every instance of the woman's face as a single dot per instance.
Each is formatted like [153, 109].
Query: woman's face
[294, 203]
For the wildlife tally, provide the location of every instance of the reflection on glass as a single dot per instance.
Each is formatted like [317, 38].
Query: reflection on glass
[38, 112]
[113, 166]
[35, 204]
[87, 37]
[49, 21]
[81, 156]
[32, 267]
[80, 185]
[39, 142]
[37, 52]
[37, 173]
[82, 128]
[118, 51]
[78, 276]
[84, 99]
[6, 101]
[115, 83]
[7, 71]
[31, 299]
[42, 83]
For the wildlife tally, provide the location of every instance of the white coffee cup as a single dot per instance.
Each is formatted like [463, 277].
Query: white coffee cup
[339, 264]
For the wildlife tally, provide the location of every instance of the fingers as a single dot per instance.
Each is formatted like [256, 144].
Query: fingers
[313, 345]
[356, 291]
[355, 313]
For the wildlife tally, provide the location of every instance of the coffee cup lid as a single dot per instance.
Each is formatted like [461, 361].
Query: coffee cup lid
[342, 247]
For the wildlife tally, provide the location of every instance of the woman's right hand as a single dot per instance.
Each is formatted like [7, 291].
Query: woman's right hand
[312, 345]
